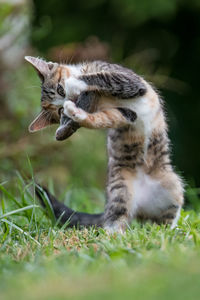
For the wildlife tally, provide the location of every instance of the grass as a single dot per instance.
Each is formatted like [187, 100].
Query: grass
[41, 261]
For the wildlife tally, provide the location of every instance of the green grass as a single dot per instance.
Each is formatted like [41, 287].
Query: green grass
[38, 260]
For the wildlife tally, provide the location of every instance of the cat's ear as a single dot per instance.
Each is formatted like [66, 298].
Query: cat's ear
[44, 119]
[42, 67]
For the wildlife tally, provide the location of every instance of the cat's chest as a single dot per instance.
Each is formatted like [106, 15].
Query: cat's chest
[149, 196]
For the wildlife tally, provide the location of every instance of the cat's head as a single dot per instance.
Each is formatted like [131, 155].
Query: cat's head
[53, 92]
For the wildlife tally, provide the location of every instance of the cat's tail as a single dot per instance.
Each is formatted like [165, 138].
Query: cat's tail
[66, 215]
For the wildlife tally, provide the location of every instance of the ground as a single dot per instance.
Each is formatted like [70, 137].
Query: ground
[41, 261]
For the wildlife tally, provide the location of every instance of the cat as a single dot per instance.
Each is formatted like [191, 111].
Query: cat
[141, 182]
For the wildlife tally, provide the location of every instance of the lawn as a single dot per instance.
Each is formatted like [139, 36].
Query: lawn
[39, 260]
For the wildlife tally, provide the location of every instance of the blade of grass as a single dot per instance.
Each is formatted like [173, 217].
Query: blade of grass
[10, 196]
[20, 230]
[6, 225]
[58, 220]
[23, 192]
[48, 205]
[33, 216]
[4, 182]
[67, 222]
[30, 166]
[18, 210]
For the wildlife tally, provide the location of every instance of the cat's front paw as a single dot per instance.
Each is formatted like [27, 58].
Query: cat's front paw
[73, 112]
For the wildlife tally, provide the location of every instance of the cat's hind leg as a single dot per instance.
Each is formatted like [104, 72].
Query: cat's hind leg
[173, 184]
[159, 197]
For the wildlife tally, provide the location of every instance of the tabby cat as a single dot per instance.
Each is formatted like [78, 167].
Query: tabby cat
[141, 181]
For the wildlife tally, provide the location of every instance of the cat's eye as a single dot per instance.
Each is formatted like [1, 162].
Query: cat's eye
[60, 90]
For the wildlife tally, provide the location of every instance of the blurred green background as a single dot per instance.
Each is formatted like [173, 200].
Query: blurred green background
[158, 39]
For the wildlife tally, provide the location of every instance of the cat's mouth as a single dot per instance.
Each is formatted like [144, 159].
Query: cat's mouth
[52, 114]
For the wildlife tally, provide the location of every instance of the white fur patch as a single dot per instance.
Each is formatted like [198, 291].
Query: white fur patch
[150, 197]
[145, 113]
[73, 112]
[74, 86]
[58, 102]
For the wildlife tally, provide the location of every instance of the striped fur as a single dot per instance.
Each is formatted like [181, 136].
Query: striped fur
[141, 182]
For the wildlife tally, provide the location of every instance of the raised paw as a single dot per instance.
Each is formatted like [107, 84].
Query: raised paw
[73, 112]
